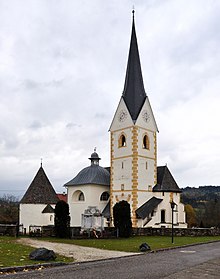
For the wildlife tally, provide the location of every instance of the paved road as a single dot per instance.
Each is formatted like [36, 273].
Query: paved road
[200, 261]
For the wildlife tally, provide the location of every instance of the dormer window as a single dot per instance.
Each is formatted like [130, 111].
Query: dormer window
[146, 142]
[122, 141]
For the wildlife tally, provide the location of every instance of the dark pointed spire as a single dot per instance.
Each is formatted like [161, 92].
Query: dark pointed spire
[134, 94]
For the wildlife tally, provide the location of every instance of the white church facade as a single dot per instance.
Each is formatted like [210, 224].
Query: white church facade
[133, 174]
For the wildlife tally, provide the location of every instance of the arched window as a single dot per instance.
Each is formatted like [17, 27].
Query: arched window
[146, 142]
[104, 196]
[81, 197]
[78, 196]
[163, 220]
[122, 141]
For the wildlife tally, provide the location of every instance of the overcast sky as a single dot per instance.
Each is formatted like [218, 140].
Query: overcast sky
[62, 71]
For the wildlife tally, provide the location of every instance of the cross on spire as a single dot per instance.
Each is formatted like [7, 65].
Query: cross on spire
[133, 12]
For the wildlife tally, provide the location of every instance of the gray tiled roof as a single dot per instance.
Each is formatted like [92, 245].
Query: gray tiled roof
[165, 181]
[134, 93]
[106, 210]
[146, 209]
[48, 209]
[40, 190]
[93, 174]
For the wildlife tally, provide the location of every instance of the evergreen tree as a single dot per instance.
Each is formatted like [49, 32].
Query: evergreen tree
[122, 218]
[62, 219]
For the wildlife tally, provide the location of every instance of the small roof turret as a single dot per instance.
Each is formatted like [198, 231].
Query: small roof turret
[94, 158]
[93, 174]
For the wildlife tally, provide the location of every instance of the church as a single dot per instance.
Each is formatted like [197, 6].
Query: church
[133, 175]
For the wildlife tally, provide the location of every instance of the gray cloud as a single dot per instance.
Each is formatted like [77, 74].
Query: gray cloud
[62, 74]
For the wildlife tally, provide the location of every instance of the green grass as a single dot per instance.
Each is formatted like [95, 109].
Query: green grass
[14, 254]
[132, 244]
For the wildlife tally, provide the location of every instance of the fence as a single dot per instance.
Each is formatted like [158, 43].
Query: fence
[8, 229]
[110, 232]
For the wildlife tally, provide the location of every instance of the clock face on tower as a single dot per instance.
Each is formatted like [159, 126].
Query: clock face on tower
[146, 116]
[122, 115]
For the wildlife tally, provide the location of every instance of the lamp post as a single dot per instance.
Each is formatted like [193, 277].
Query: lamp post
[172, 204]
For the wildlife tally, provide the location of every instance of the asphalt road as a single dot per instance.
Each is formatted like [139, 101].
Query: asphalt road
[200, 261]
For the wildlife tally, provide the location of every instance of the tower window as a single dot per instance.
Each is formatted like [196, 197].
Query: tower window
[122, 165]
[122, 141]
[146, 142]
[122, 187]
[104, 196]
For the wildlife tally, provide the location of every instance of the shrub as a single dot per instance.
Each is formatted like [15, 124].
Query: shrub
[62, 219]
[122, 218]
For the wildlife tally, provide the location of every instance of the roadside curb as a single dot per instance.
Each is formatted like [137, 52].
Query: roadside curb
[13, 269]
[182, 246]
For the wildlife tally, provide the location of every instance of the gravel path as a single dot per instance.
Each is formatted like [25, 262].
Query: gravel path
[78, 253]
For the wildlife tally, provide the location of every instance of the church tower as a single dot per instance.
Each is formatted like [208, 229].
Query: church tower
[133, 140]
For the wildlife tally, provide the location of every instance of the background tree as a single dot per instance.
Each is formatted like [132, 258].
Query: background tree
[205, 200]
[211, 215]
[9, 209]
[122, 218]
[190, 216]
[62, 219]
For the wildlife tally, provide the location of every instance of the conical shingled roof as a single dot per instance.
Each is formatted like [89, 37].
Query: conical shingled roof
[165, 181]
[40, 190]
[134, 93]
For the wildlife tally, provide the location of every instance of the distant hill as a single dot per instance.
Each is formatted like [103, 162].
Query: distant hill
[196, 196]
[205, 202]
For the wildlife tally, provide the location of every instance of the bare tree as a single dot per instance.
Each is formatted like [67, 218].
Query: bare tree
[9, 209]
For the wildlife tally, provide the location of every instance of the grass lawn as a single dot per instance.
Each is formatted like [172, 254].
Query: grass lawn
[132, 244]
[14, 254]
